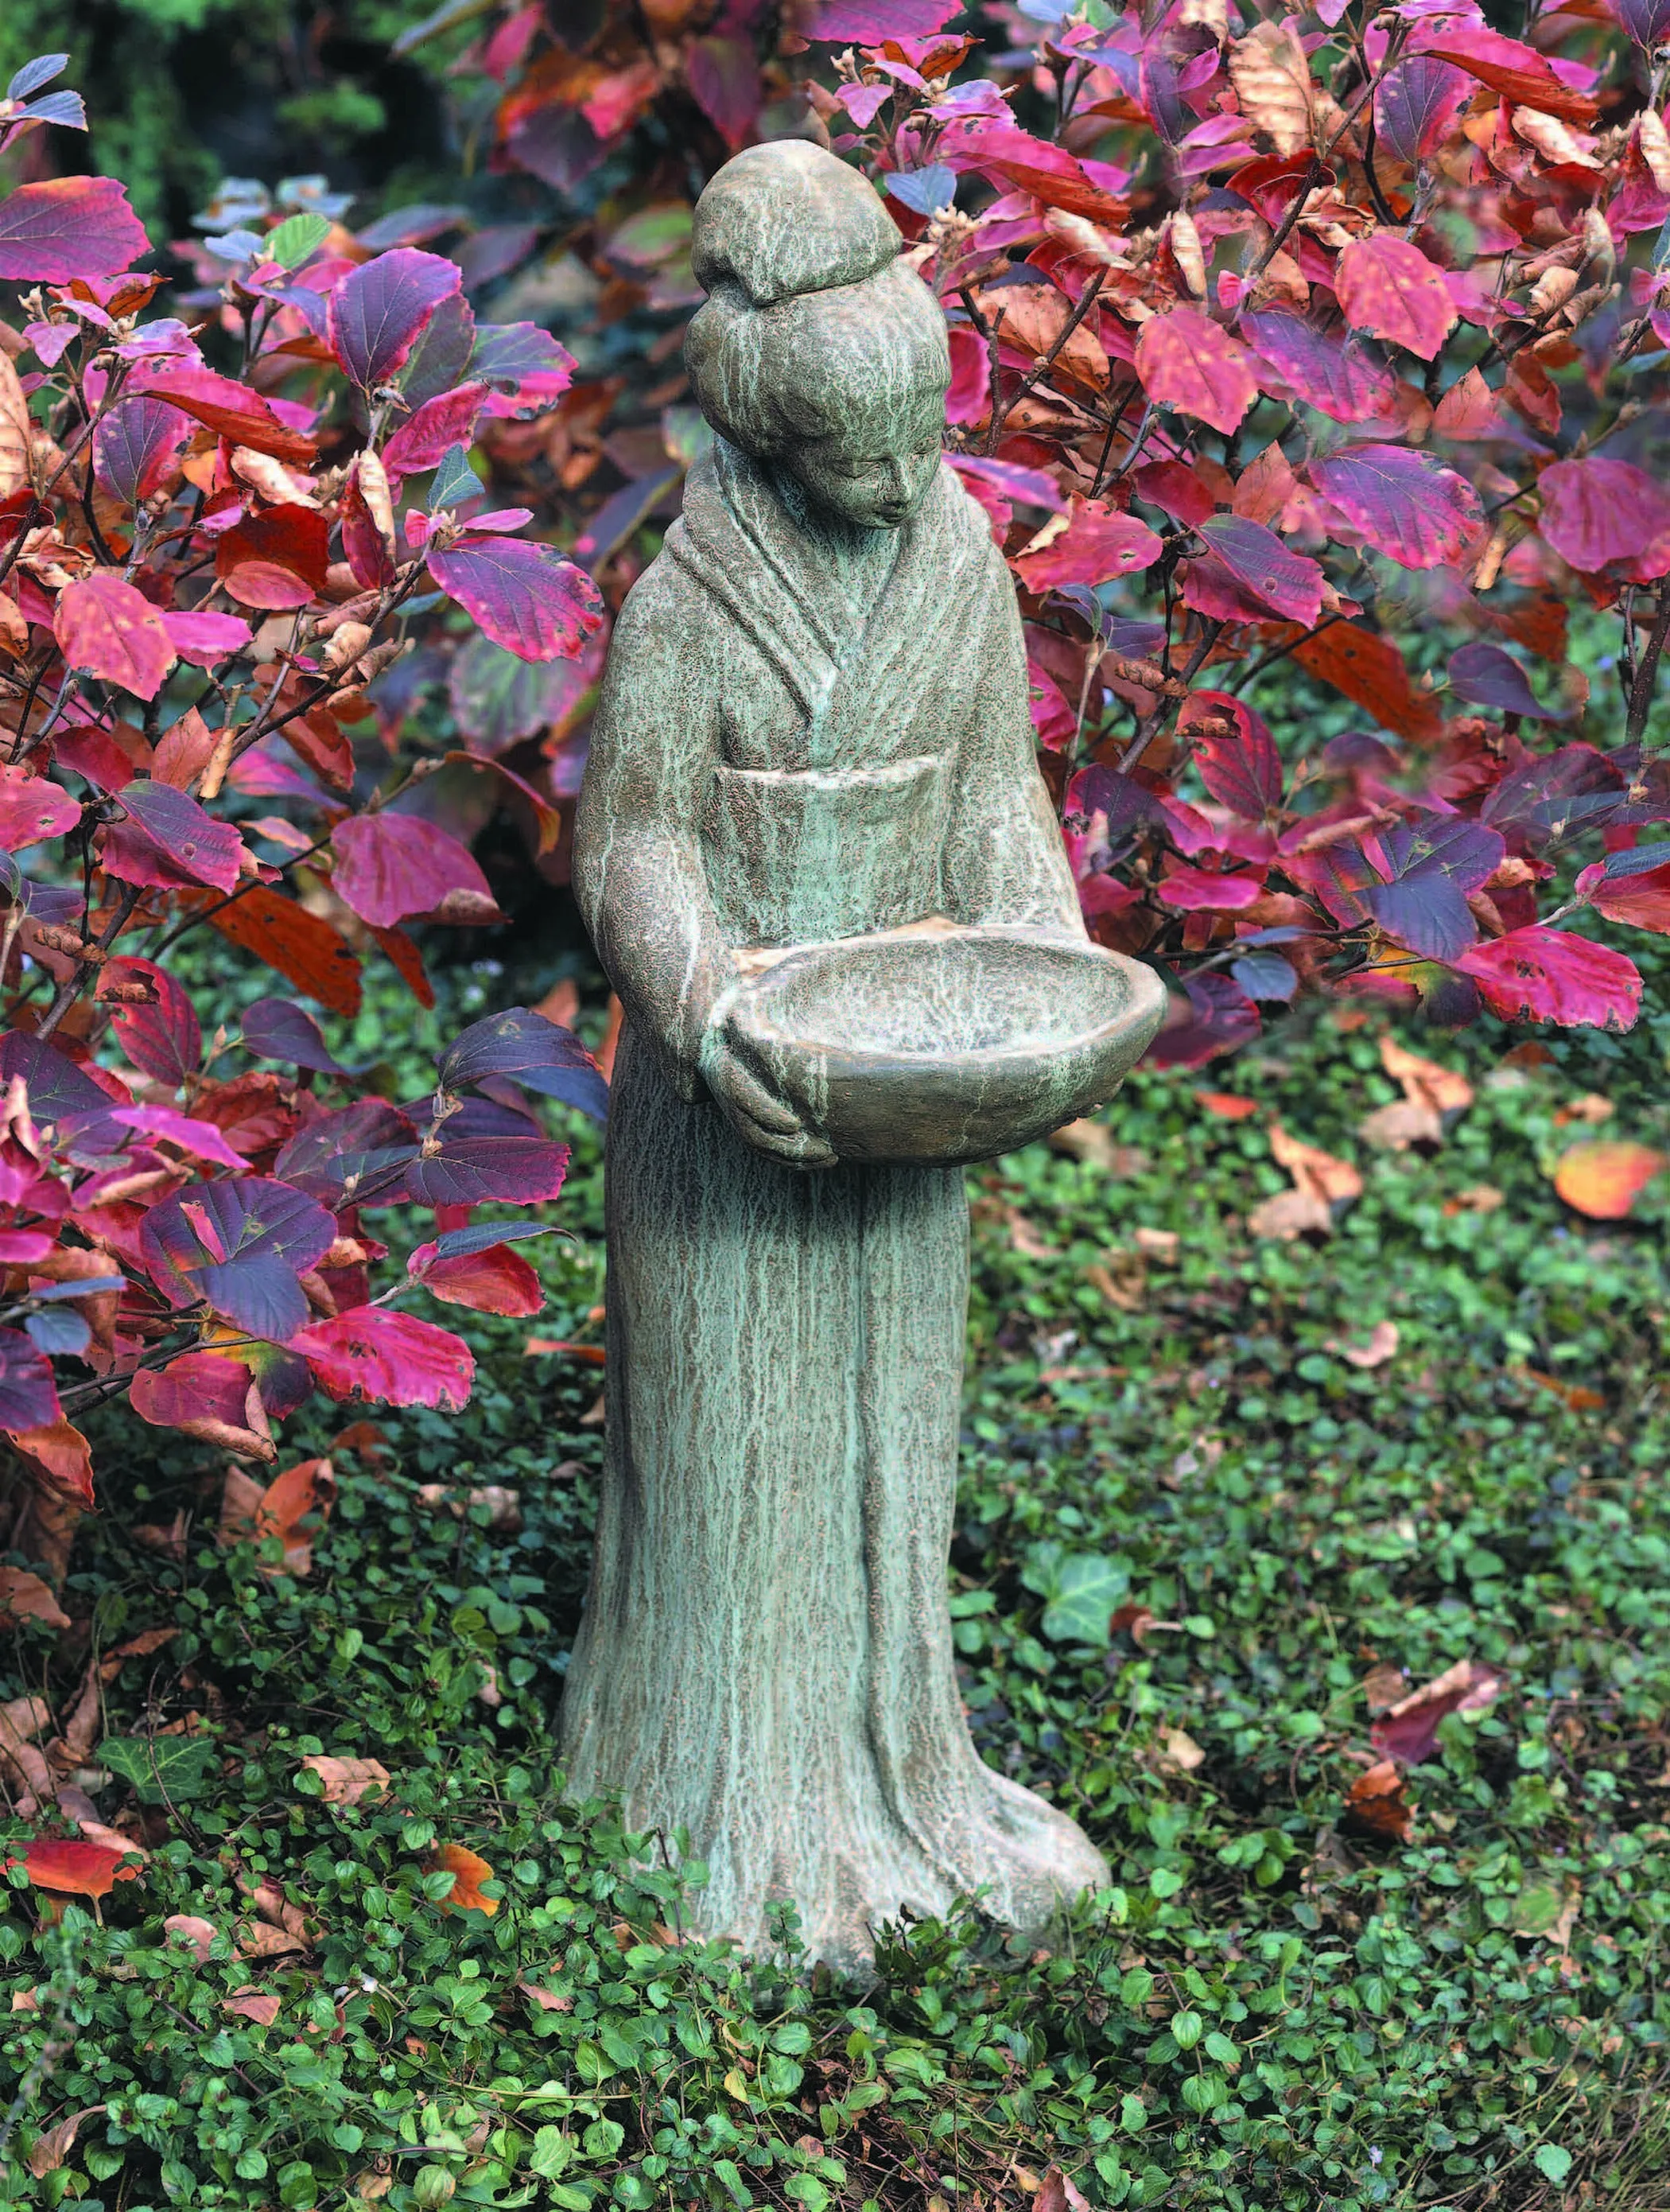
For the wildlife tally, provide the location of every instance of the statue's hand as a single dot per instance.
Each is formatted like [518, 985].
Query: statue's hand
[759, 1114]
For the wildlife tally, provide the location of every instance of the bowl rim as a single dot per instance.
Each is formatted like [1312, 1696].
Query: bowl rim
[742, 1013]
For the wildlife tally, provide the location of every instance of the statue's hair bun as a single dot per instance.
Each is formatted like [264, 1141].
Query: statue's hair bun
[786, 218]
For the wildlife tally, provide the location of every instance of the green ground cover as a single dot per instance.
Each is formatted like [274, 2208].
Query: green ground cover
[1271, 2008]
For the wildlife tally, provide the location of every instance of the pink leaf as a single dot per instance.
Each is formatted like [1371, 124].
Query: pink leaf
[205, 638]
[1388, 287]
[725, 82]
[198, 1386]
[230, 409]
[1544, 974]
[1279, 580]
[1097, 544]
[1407, 506]
[1516, 71]
[31, 808]
[1415, 103]
[67, 227]
[389, 866]
[380, 308]
[526, 597]
[868, 22]
[1197, 890]
[168, 840]
[439, 424]
[200, 1138]
[1186, 361]
[1604, 515]
[1328, 371]
[373, 1353]
[111, 630]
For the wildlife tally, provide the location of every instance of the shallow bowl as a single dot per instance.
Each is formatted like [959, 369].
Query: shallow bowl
[938, 1043]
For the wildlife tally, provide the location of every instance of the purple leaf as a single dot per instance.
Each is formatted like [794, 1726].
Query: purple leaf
[28, 1397]
[67, 228]
[1286, 583]
[539, 1055]
[1415, 103]
[1407, 505]
[925, 191]
[1432, 865]
[411, 225]
[32, 74]
[1221, 1018]
[167, 839]
[241, 1245]
[1486, 676]
[483, 1236]
[518, 1170]
[1264, 975]
[134, 447]
[447, 420]
[868, 22]
[1327, 369]
[527, 598]
[510, 355]
[379, 309]
[356, 1157]
[1235, 753]
[391, 865]
[163, 1038]
[64, 108]
[441, 355]
[1646, 22]
[58, 1088]
[276, 1028]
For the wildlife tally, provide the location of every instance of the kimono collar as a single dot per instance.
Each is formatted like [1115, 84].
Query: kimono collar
[739, 540]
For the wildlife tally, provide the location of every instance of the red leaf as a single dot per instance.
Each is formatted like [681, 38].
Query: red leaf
[1407, 506]
[439, 424]
[1545, 974]
[389, 866]
[527, 598]
[168, 840]
[1277, 580]
[275, 560]
[1604, 515]
[1096, 545]
[198, 1386]
[1603, 1179]
[1049, 172]
[1328, 371]
[58, 1454]
[1388, 287]
[230, 409]
[380, 308]
[1216, 1017]
[1186, 361]
[162, 1039]
[1235, 753]
[317, 958]
[1518, 72]
[1640, 897]
[1369, 669]
[373, 1353]
[1408, 1731]
[67, 227]
[496, 1280]
[205, 638]
[111, 630]
[134, 447]
[33, 807]
[73, 1869]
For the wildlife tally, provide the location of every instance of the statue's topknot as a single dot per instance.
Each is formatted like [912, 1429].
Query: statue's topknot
[786, 218]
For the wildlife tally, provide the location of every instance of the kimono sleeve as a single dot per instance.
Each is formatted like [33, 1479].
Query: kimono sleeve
[638, 871]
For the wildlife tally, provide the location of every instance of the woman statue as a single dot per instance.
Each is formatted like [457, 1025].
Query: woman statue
[814, 726]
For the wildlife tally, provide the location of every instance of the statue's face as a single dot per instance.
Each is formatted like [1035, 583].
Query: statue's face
[876, 473]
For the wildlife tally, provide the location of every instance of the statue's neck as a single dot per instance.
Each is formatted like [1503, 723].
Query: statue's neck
[859, 561]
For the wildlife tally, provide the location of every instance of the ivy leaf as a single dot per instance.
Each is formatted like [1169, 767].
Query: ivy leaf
[162, 1769]
[295, 239]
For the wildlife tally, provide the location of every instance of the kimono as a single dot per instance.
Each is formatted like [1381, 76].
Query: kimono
[802, 735]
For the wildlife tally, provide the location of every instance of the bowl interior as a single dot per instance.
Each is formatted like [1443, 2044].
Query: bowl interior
[921, 998]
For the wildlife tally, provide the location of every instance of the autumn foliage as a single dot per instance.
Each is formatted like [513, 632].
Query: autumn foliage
[1332, 339]
[216, 535]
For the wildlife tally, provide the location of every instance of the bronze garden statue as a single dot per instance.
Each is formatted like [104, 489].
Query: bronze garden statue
[822, 872]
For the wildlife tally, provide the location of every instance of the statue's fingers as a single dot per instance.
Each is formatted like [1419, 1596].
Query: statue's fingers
[750, 1096]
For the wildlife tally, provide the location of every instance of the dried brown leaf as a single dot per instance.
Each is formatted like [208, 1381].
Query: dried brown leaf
[347, 1780]
[1272, 83]
[52, 2148]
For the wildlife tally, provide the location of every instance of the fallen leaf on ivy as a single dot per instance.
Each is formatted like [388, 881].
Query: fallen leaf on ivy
[1375, 1801]
[199, 1933]
[1383, 1686]
[1408, 1731]
[1476, 1197]
[544, 2000]
[24, 1596]
[347, 1780]
[250, 2003]
[1603, 1178]
[1179, 1753]
[469, 1872]
[77, 1869]
[1224, 1106]
[51, 2150]
[1590, 1109]
[259, 1938]
[1577, 1396]
[1381, 1346]
[1057, 2194]
[1324, 1186]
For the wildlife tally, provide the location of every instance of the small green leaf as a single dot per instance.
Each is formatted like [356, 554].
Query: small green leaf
[454, 481]
[1132, 2113]
[1552, 2163]
[1187, 2027]
[295, 238]
[1084, 1590]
